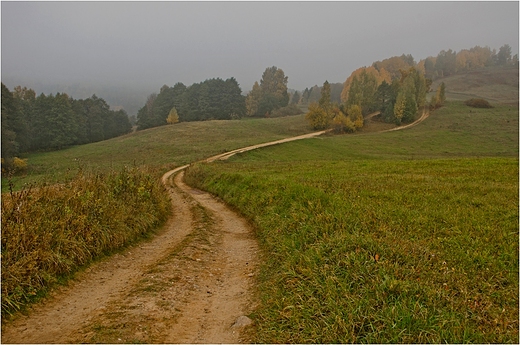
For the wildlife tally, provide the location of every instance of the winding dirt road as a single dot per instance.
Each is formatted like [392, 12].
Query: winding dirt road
[194, 282]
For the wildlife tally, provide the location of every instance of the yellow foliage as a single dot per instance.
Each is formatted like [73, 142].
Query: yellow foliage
[19, 164]
[381, 75]
[173, 117]
[317, 117]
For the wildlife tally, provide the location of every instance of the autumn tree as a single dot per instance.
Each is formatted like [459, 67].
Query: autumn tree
[317, 117]
[173, 117]
[347, 119]
[394, 64]
[361, 86]
[253, 100]
[439, 98]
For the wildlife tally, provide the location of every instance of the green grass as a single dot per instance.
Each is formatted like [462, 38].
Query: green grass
[452, 131]
[409, 236]
[160, 148]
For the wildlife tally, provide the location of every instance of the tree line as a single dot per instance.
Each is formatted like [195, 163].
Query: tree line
[49, 122]
[397, 87]
[32, 123]
[215, 99]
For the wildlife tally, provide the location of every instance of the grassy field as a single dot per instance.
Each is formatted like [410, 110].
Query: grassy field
[81, 203]
[160, 148]
[495, 84]
[408, 236]
[405, 236]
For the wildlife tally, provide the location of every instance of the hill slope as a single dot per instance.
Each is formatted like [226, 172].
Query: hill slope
[496, 84]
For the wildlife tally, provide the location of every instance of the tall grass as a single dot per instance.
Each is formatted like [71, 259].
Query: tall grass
[51, 231]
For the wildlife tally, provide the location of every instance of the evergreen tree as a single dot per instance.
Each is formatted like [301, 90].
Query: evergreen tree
[270, 94]
[504, 55]
[295, 99]
[9, 113]
[325, 101]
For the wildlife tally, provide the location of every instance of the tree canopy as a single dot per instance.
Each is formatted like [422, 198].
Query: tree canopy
[268, 95]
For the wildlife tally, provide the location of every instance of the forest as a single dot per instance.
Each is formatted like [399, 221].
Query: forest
[396, 87]
[53, 122]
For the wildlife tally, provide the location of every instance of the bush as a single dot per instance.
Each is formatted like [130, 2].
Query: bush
[19, 164]
[51, 231]
[478, 103]
[289, 110]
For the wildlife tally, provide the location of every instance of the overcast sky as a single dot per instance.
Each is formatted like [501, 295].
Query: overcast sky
[155, 43]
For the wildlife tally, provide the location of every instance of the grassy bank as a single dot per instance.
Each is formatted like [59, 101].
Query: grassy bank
[409, 236]
[51, 231]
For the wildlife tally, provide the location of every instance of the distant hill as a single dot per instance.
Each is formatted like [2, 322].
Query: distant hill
[495, 84]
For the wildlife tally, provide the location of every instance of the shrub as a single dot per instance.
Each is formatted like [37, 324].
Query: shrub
[19, 164]
[478, 103]
[289, 110]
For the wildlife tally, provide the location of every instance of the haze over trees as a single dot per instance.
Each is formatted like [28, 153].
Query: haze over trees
[397, 87]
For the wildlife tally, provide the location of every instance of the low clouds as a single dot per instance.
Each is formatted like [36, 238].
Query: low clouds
[156, 43]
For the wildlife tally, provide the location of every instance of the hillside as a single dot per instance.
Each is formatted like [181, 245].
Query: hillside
[161, 147]
[495, 84]
[380, 237]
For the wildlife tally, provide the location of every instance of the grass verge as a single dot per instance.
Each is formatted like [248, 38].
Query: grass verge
[51, 231]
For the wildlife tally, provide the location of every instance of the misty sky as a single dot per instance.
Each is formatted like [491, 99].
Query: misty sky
[154, 43]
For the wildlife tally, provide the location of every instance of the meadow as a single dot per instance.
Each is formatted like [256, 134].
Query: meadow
[407, 236]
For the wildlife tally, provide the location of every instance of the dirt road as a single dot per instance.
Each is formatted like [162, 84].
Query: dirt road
[194, 282]
[190, 284]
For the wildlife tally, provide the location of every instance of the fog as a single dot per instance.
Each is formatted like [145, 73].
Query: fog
[144, 45]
